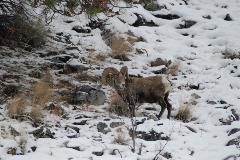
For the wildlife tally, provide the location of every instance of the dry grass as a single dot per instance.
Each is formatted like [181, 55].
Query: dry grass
[120, 137]
[40, 94]
[17, 106]
[174, 68]
[120, 44]
[117, 105]
[230, 54]
[184, 113]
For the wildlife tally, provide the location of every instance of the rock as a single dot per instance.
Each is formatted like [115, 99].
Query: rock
[186, 24]
[222, 102]
[75, 148]
[74, 128]
[233, 131]
[116, 124]
[61, 59]
[235, 115]
[87, 94]
[102, 127]
[121, 57]
[80, 29]
[150, 109]
[195, 96]
[10, 90]
[232, 157]
[160, 71]
[159, 62]
[167, 16]
[43, 133]
[143, 22]
[68, 21]
[191, 129]
[12, 151]
[228, 17]
[74, 68]
[98, 153]
[167, 155]
[55, 109]
[82, 116]
[83, 122]
[93, 24]
[235, 141]
[191, 86]
[141, 122]
[226, 121]
[33, 148]
[211, 102]
[151, 136]
[207, 17]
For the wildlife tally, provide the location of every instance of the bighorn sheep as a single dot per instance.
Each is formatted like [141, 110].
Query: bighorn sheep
[148, 89]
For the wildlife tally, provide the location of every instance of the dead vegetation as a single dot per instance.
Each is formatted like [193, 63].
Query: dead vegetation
[185, 111]
[120, 137]
[121, 44]
[31, 105]
[174, 68]
[117, 105]
[231, 54]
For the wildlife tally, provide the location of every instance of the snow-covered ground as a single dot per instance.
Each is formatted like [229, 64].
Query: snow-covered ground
[198, 49]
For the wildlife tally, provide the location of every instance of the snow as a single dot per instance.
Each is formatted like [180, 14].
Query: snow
[202, 65]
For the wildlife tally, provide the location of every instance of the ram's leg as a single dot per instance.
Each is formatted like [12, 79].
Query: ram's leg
[163, 107]
[169, 106]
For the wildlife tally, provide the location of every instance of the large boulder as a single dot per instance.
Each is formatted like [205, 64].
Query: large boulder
[87, 94]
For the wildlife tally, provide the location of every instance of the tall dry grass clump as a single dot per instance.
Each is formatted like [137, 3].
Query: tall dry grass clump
[36, 100]
[17, 106]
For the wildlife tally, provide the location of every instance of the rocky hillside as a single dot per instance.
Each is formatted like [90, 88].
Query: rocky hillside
[54, 106]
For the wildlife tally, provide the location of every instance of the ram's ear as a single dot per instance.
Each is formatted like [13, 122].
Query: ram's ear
[124, 71]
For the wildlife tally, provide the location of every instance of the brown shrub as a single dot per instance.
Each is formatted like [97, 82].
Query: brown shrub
[40, 94]
[120, 137]
[117, 105]
[230, 54]
[17, 106]
[174, 68]
[184, 112]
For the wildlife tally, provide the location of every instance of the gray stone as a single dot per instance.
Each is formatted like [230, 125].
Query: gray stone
[43, 133]
[116, 124]
[235, 141]
[103, 128]
[195, 96]
[80, 29]
[233, 131]
[87, 94]
[98, 153]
